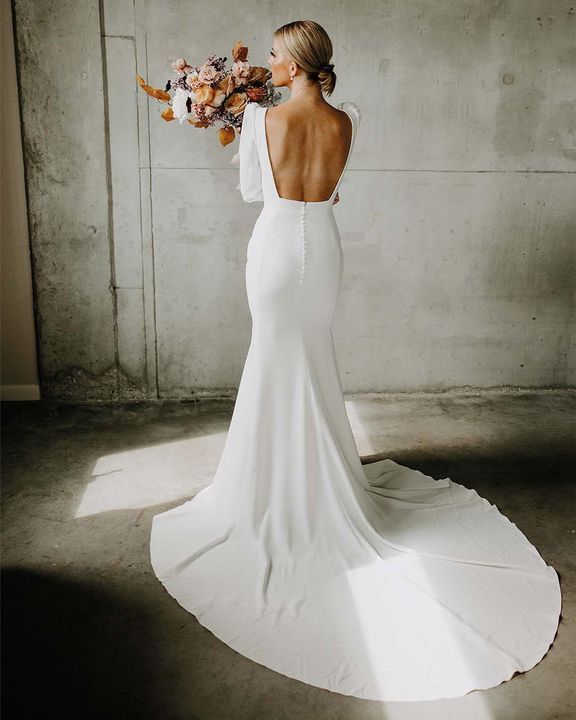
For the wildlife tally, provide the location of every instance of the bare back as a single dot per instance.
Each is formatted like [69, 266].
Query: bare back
[307, 149]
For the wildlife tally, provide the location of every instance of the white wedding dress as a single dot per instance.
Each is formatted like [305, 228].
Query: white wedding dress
[376, 581]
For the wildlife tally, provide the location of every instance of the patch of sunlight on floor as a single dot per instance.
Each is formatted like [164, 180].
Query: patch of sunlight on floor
[368, 586]
[361, 435]
[148, 476]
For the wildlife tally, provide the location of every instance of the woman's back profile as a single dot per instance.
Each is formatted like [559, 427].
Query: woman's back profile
[372, 580]
[308, 145]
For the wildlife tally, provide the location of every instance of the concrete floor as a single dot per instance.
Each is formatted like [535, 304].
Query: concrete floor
[90, 632]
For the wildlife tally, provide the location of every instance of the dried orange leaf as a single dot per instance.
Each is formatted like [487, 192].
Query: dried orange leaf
[153, 92]
[199, 123]
[226, 135]
[259, 74]
[239, 52]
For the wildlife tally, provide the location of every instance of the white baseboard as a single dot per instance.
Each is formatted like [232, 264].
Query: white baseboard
[19, 392]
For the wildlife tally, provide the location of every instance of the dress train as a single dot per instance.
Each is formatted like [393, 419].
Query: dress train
[376, 581]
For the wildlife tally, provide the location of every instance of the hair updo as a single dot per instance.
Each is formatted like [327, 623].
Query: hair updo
[308, 44]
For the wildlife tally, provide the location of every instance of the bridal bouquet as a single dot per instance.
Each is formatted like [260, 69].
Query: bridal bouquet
[211, 93]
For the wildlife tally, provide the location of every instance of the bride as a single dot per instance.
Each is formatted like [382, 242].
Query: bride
[373, 580]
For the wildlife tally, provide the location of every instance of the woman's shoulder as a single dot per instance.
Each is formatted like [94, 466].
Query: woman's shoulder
[284, 109]
[285, 114]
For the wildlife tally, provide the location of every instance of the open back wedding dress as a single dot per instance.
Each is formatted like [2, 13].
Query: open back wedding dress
[373, 580]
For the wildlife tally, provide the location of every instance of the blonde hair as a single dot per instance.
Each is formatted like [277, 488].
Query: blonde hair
[310, 47]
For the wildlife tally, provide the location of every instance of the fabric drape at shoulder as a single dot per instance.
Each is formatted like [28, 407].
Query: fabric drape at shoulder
[353, 109]
[250, 170]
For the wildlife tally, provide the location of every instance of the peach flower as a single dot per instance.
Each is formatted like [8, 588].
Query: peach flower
[207, 95]
[236, 103]
[207, 74]
[181, 66]
[241, 72]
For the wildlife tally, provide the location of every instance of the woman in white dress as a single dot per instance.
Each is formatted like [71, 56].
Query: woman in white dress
[376, 581]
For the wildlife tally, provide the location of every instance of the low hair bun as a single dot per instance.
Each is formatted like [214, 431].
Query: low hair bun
[308, 45]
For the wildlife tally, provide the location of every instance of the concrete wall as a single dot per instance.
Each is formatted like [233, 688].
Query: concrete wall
[18, 366]
[457, 214]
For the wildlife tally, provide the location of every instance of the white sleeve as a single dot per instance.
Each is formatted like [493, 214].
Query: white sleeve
[250, 171]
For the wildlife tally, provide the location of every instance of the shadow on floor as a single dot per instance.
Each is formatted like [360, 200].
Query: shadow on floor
[65, 650]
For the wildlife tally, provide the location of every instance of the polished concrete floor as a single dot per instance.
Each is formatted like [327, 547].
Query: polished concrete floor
[88, 630]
